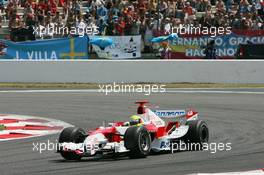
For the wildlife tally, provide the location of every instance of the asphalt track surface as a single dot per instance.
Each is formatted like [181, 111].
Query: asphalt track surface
[234, 118]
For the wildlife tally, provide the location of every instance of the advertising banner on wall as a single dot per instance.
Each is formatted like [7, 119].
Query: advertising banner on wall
[225, 45]
[123, 47]
[51, 49]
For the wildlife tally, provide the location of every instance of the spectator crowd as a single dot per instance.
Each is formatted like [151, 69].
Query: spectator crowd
[131, 17]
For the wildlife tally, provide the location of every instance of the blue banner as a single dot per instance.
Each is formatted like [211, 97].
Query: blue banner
[225, 45]
[52, 49]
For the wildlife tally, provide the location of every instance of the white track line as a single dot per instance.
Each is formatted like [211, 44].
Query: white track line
[215, 92]
[168, 90]
[49, 91]
[255, 172]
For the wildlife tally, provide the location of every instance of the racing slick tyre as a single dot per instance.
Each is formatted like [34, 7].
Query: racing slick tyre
[71, 134]
[197, 135]
[137, 140]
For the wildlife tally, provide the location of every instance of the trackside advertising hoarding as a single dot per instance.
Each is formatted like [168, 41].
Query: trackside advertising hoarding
[51, 49]
[123, 47]
[226, 45]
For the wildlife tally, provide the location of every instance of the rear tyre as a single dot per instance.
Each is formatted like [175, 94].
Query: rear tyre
[137, 141]
[71, 134]
[197, 135]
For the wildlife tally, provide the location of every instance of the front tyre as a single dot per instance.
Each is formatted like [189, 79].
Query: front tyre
[71, 134]
[137, 140]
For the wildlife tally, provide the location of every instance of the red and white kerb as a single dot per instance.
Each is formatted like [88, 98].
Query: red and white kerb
[22, 126]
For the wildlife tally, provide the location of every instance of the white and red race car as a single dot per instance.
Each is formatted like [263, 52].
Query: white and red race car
[155, 131]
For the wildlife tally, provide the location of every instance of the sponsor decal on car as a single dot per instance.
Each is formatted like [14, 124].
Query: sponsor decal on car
[169, 113]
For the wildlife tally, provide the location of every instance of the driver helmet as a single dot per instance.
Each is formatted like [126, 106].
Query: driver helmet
[135, 120]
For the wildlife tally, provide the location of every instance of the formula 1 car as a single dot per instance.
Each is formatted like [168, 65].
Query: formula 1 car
[146, 132]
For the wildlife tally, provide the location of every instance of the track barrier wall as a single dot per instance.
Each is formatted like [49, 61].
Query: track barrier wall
[164, 71]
